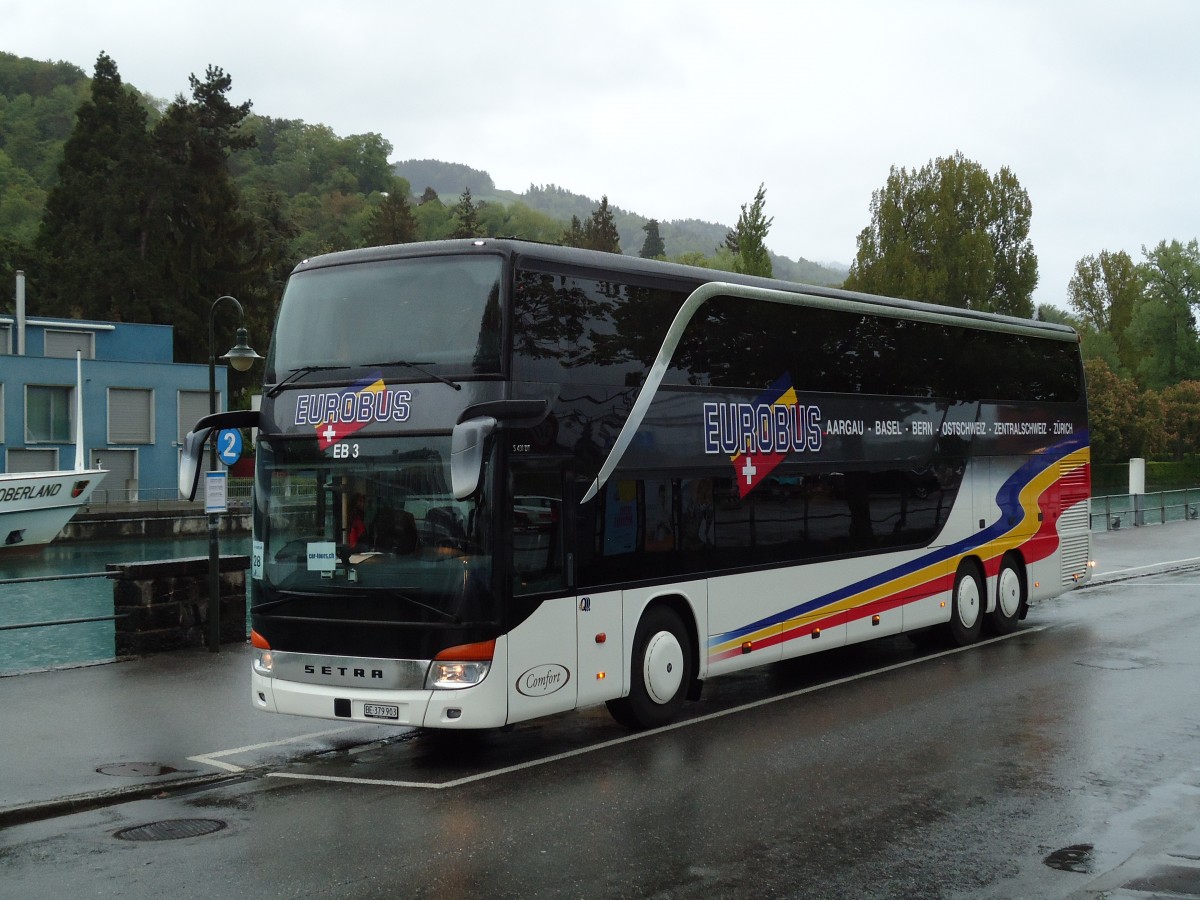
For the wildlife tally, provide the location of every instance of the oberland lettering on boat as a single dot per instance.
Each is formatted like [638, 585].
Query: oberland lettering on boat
[542, 680]
[343, 671]
[28, 492]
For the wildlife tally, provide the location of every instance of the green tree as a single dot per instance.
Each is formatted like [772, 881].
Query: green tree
[1163, 327]
[466, 216]
[98, 222]
[392, 221]
[518, 220]
[598, 232]
[205, 237]
[1181, 418]
[574, 235]
[653, 247]
[747, 241]
[1117, 415]
[434, 221]
[601, 230]
[1103, 292]
[949, 233]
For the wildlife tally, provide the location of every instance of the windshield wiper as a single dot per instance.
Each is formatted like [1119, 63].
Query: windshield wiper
[420, 367]
[297, 373]
[391, 592]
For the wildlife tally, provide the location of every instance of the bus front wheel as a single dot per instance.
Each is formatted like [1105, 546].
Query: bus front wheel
[662, 670]
[968, 602]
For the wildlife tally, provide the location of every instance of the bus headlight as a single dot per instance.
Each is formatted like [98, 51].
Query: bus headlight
[460, 667]
[264, 662]
[263, 659]
[450, 675]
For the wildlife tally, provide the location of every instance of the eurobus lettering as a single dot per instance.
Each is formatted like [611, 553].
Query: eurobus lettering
[546, 478]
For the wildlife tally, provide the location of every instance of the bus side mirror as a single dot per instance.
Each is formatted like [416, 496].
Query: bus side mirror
[192, 452]
[466, 454]
[189, 461]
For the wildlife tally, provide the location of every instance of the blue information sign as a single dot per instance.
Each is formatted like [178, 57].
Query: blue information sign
[229, 446]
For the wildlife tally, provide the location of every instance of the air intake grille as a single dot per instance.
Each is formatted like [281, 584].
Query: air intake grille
[1074, 526]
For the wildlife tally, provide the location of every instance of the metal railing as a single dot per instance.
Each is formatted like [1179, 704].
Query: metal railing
[72, 576]
[238, 495]
[1116, 511]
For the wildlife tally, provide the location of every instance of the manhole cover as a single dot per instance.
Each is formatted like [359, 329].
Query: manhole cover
[136, 770]
[1076, 858]
[170, 830]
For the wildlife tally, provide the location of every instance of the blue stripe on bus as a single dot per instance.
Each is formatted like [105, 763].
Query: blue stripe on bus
[1008, 498]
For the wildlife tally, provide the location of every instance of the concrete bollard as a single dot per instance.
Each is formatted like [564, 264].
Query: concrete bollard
[163, 604]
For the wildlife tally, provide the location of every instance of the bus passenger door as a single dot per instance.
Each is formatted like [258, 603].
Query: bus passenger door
[542, 670]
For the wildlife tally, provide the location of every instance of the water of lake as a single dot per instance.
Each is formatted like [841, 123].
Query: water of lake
[28, 649]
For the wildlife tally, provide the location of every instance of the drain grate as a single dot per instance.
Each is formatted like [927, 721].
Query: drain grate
[1076, 858]
[136, 770]
[170, 830]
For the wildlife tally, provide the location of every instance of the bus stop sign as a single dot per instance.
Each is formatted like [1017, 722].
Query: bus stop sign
[229, 446]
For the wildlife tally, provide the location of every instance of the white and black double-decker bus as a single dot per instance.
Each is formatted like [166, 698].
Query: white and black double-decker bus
[497, 480]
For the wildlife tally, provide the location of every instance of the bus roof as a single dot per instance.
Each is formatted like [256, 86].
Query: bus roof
[575, 259]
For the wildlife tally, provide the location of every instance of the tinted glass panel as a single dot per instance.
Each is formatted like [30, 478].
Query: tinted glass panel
[655, 528]
[587, 330]
[442, 312]
[737, 342]
[591, 331]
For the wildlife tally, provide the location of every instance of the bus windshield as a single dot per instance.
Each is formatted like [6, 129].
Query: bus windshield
[440, 313]
[382, 523]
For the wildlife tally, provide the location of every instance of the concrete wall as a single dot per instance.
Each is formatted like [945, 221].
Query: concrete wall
[102, 526]
[164, 605]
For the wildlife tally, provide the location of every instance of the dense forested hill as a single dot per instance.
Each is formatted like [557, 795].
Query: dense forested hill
[682, 236]
[317, 188]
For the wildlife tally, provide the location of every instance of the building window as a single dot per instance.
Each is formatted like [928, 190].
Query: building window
[193, 406]
[5, 340]
[40, 460]
[48, 414]
[130, 416]
[63, 344]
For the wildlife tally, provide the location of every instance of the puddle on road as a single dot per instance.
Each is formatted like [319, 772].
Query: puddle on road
[137, 770]
[1076, 858]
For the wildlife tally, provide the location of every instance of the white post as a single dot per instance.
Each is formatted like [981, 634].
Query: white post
[1137, 489]
[19, 350]
[78, 411]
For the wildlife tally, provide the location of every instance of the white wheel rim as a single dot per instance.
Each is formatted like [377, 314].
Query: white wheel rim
[967, 602]
[662, 669]
[1009, 593]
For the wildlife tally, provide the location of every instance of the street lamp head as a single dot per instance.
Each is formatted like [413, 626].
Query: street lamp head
[241, 356]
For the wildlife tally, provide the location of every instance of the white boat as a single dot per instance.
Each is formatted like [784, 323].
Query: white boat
[34, 506]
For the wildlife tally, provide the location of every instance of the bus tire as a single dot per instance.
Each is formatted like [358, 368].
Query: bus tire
[967, 604]
[1011, 592]
[662, 671]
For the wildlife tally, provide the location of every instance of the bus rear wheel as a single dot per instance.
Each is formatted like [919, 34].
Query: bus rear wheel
[663, 668]
[1010, 597]
[967, 605]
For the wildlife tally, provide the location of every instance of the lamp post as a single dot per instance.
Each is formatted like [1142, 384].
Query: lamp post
[241, 357]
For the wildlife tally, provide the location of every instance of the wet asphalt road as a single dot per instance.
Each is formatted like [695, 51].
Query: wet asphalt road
[878, 771]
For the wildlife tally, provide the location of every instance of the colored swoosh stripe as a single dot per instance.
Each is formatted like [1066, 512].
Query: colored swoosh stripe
[1023, 495]
[337, 428]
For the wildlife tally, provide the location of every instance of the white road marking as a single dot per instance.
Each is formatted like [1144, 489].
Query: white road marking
[1190, 561]
[604, 745]
[212, 759]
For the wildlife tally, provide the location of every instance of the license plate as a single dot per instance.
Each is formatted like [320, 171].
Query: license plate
[381, 711]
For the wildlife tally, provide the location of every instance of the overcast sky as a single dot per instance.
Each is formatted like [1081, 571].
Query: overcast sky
[680, 109]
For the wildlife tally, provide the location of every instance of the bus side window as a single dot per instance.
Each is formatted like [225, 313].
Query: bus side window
[537, 540]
